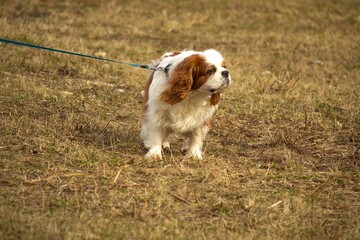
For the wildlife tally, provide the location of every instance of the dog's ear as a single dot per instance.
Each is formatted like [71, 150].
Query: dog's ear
[215, 99]
[181, 80]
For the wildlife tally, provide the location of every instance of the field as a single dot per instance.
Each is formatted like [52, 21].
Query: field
[282, 160]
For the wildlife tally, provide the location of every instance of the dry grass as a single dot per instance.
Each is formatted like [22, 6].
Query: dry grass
[283, 158]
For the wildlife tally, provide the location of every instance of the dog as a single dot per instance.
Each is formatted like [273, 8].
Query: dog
[182, 99]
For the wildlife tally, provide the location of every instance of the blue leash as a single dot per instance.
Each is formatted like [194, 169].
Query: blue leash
[79, 54]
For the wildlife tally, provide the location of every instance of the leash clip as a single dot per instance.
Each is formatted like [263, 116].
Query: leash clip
[164, 69]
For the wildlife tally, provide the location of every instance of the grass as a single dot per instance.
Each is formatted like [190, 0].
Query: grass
[281, 162]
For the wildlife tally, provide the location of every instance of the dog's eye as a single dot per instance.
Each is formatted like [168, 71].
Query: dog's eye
[211, 70]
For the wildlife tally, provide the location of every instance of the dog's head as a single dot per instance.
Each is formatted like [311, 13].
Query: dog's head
[204, 72]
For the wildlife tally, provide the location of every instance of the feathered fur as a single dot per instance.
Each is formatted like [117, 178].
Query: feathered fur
[183, 100]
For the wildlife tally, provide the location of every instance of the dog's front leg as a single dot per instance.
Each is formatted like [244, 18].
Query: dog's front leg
[153, 142]
[196, 138]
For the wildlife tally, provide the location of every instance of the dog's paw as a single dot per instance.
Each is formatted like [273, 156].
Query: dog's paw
[185, 145]
[184, 150]
[194, 153]
[166, 145]
[154, 153]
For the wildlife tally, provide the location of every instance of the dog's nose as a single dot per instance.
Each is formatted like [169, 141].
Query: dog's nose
[225, 73]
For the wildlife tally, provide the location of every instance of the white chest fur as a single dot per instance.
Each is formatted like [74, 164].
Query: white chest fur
[188, 115]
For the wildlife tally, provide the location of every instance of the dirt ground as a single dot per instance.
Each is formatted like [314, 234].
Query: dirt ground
[282, 159]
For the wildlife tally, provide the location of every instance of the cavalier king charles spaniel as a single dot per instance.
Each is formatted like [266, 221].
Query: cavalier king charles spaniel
[182, 99]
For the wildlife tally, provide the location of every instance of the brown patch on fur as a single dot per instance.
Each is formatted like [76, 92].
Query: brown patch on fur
[223, 64]
[215, 99]
[188, 75]
[201, 75]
